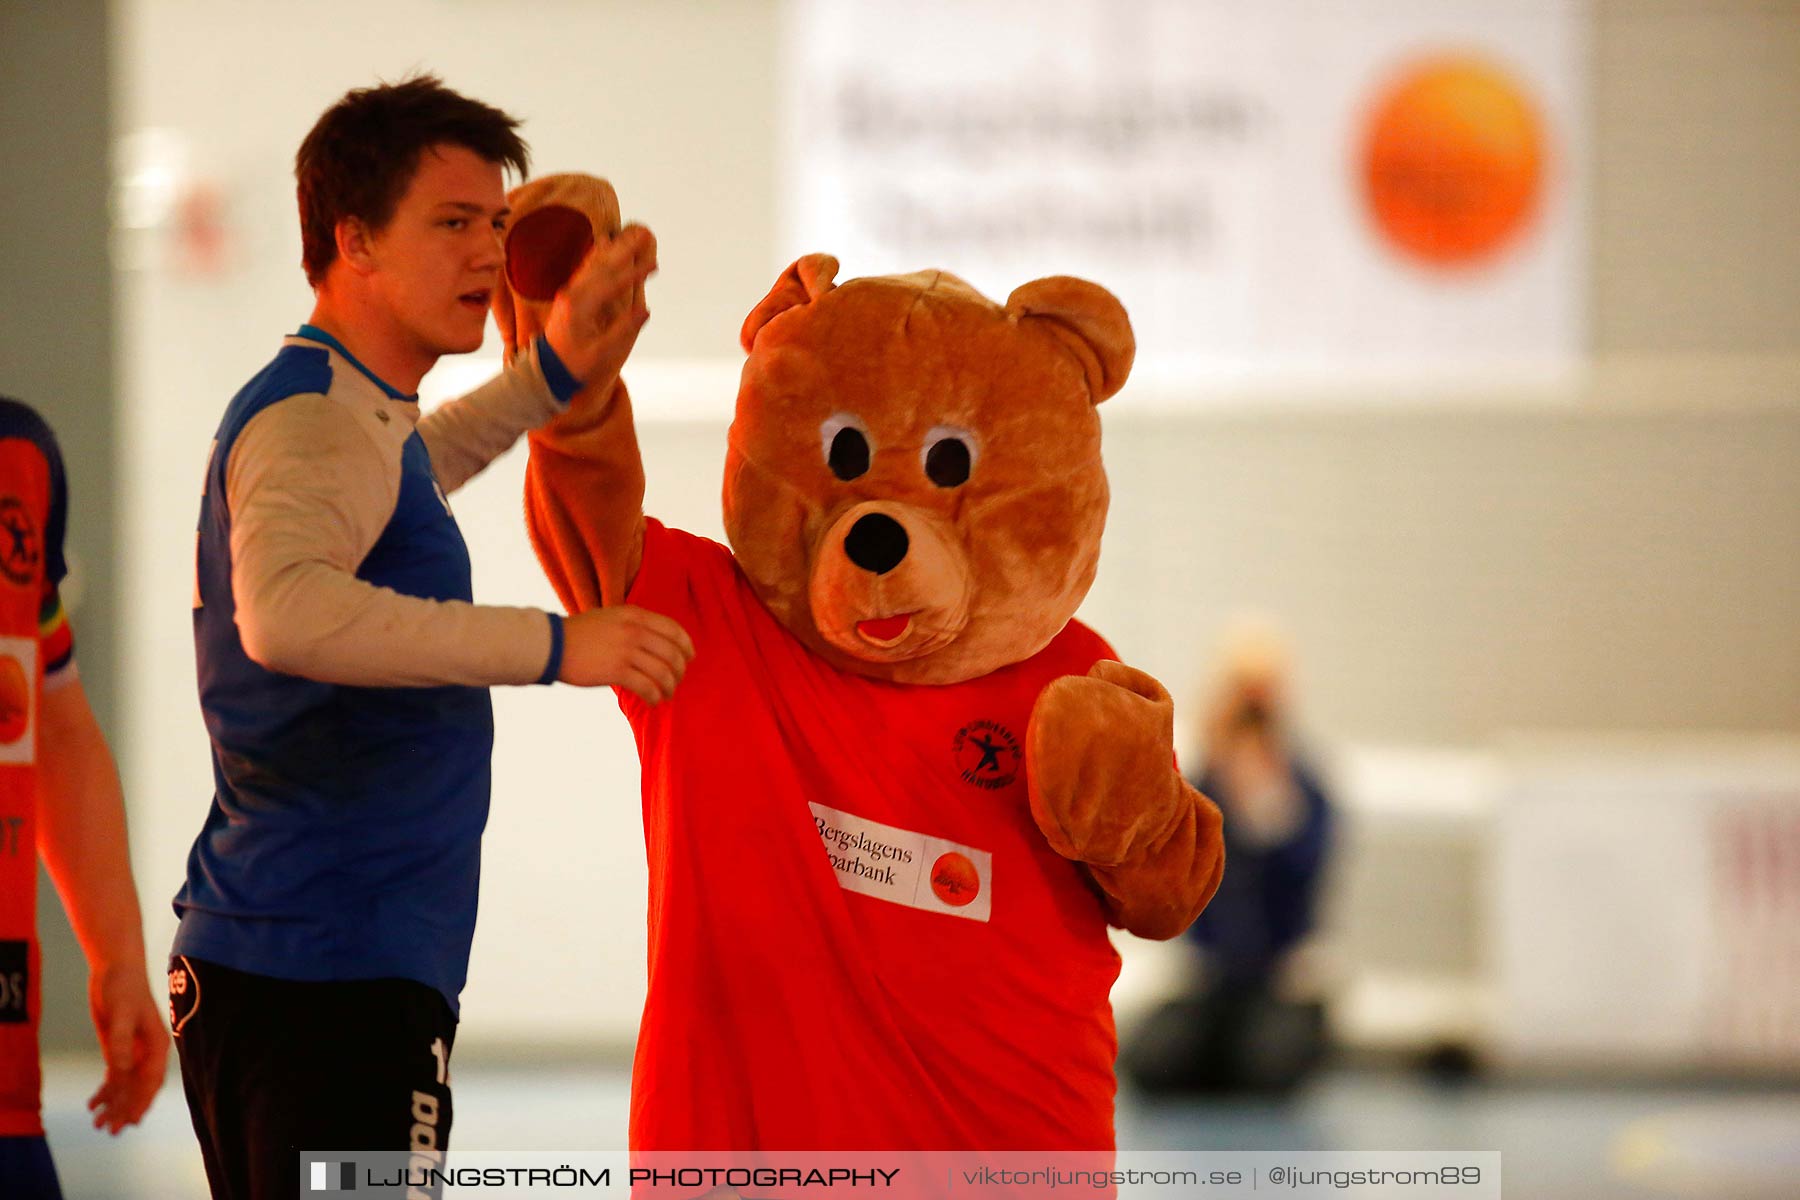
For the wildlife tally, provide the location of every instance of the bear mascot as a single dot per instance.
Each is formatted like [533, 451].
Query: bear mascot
[900, 793]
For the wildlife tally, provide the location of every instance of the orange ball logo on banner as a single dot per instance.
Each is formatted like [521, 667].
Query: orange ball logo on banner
[1453, 161]
[955, 880]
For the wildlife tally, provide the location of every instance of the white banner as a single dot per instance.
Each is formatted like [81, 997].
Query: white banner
[1364, 192]
[903, 867]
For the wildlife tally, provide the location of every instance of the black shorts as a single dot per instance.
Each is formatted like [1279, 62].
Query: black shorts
[26, 1172]
[274, 1067]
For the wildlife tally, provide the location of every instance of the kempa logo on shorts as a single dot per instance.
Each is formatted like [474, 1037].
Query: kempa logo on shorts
[184, 995]
[987, 754]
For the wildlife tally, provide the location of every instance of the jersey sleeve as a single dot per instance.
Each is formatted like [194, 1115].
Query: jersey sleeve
[56, 638]
[309, 495]
[464, 435]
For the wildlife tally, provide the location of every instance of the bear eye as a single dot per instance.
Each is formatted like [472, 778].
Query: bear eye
[846, 446]
[949, 456]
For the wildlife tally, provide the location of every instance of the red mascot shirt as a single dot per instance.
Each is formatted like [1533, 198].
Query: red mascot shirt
[859, 939]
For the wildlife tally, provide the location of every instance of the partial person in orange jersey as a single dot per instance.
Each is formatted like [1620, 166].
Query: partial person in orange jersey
[59, 797]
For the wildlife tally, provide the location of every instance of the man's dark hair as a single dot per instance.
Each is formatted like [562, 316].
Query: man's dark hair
[362, 153]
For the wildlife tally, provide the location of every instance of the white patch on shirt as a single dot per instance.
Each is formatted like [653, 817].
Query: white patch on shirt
[18, 699]
[912, 869]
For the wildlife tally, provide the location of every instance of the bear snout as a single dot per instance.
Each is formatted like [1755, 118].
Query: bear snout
[877, 543]
[890, 582]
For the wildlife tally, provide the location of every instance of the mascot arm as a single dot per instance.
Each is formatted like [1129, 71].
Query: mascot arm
[584, 499]
[584, 483]
[1105, 792]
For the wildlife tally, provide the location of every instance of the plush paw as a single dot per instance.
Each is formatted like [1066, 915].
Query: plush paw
[1100, 762]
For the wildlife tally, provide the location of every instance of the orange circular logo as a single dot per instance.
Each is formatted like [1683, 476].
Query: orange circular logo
[15, 700]
[1453, 161]
[953, 879]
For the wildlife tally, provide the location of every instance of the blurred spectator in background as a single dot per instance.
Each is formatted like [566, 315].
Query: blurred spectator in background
[1252, 1018]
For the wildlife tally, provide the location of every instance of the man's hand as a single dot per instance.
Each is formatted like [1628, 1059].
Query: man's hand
[624, 646]
[133, 1042]
[595, 319]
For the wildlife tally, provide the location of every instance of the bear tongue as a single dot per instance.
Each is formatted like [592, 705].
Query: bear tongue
[886, 629]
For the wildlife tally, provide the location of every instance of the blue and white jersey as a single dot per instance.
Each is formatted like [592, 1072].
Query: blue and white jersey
[343, 671]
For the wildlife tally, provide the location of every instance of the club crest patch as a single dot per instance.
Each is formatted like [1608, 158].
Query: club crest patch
[21, 545]
[988, 756]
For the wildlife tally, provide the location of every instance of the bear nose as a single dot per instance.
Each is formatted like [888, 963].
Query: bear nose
[876, 543]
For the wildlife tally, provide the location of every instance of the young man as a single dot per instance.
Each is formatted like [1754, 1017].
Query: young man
[59, 796]
[331, 895]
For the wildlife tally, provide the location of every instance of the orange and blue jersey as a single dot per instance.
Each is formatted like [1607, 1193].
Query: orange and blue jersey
[343, 838]
[37, 650]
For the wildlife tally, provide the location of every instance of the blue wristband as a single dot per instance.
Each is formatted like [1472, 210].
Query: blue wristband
[562, 384]
[554, 666]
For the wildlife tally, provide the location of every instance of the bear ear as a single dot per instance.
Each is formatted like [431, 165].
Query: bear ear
[556, 219]
[805, 281]
[1086, 318]
[543, 249]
